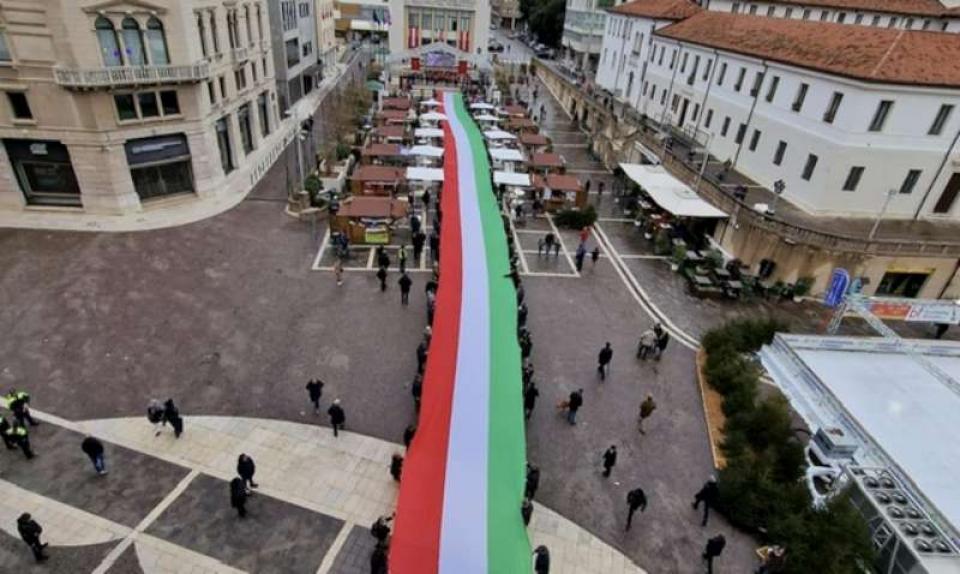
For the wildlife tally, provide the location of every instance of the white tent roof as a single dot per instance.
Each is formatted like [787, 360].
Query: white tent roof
[499, 135]
[428, 133]
[511, 178]
[425, 150]
[432, 117]
[482, 106]
[430, 103]
[669, 192]
[487, 118]
[424, 174]
[506, 154]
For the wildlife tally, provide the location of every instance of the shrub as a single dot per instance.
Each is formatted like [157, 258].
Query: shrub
[312, 184]
[342, 151]
[576, 218]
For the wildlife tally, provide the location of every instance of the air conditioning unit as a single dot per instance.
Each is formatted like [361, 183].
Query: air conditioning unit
[833, 443]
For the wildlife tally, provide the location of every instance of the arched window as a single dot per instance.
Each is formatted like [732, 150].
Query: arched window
[157, 43]
[133, 42]
[109, 45]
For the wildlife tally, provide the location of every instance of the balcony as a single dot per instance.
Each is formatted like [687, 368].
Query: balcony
[96, 78]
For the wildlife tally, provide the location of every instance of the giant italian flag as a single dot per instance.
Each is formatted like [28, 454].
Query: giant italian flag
[463, 478]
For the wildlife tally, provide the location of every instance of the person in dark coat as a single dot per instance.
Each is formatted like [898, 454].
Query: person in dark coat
[246, 468]
[396, 466]
[422, 351]
[18, 435]
[315, 390]
[603, 360]
[171, 414]
[378, 561]
[573, 405]
[18, 402]
[4, 434]
[419, 239]
[532, 483]
[713, 550]
[595, 255]
[382, 276]
[93, 448]
[662, 339]
[337, 416]
[530, 395]
[434, 246]
[380, 530]
[383, 260]
[708, 495]
[541, 564]
[526, 511]
[646, 409]
[609, 460]
[405, 282]
[417, 390]
[30, 533]
[408, 434]
[238, 496]
[636, 499]
[522, 314]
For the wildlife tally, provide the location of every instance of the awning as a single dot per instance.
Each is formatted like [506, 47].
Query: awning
[425, 151]
[428, 133]
[499, 135]
[669, 192]
[487, 118]
[511, 178]
[424, 174]
[482, 106]
[505, 154]
[432, 117]
[431, 103]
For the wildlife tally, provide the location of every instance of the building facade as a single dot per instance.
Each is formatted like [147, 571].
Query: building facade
[296, 53]
[506, 13]
[583, 31]
[326, 35]
[113, 104]
[463, 25]
[929, 15]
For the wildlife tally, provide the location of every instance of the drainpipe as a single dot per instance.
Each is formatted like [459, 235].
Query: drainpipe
[943, 163]
[736, 156]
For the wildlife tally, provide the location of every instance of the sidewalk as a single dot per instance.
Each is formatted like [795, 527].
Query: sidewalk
[164, 506]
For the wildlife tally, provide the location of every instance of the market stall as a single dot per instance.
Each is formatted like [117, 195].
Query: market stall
[560, 191]
[389, 134]
[377, 180]
[381, 154]
[521, 125]
[369, 220]
[393, 117]
[547, 163]
[396, 104]
[507, 159]
[533, 142]
[425, 155]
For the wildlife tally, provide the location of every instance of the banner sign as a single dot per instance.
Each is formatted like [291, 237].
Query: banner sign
[837, 289]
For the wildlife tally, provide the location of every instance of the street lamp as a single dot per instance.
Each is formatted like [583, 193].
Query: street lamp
[301, 136]
[883, 210]
[778, 187]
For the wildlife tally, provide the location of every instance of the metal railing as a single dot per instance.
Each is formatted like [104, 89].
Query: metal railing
[724, 199]
[130, 75]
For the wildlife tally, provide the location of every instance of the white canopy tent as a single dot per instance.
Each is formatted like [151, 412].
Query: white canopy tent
[669, 192]
[505, 154]
[433, 117]
[428, 133]
[425, 151]
[487, 118]
[431, 103]
[482, 106]
[424, 174]
[499, 135]
[511, 178]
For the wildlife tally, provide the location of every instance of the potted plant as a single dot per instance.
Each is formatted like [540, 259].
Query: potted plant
[801, 288]
[679, 256]
[662, 244]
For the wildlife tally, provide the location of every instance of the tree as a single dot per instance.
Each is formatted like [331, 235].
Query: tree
[545, 18]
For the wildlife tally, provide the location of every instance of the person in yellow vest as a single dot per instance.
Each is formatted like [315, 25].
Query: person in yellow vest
[17, 402]
[7, 440]
[18, 435]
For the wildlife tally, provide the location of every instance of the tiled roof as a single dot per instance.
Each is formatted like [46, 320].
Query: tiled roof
[546, 160]
[883, 55]
[378, 173]
[373, 207]
[660, 9]
[528, 138]
[911, 7]
[381, 150]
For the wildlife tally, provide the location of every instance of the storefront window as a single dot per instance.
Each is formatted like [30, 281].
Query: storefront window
[223, 142]
[160, 166]
[44, 172]
[246, 133]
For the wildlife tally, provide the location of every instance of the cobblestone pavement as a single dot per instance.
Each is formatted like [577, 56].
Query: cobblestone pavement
[315, 499]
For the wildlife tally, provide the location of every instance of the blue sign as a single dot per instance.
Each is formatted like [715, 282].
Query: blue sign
[839, 282]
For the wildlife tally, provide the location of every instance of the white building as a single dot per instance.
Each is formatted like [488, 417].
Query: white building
[910, 15]
[842, 114]
[583, 30]
[326, 35]
[293, 31]
[463, 25]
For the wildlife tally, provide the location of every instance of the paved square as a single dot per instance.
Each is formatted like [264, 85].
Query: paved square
[17, 558]
[275, 537]
[354, 556]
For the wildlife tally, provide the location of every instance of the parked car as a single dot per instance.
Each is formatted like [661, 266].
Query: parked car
[545, 53]
[494, 46]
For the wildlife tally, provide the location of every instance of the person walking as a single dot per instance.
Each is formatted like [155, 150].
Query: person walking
[663, 337]
[405, 283]
[530, 394]
[603, 360]
[595, 255]
[434, 245]
[540, 245]
[337, 416]
[383, 260]
[522, 312]
[533, 481]
[155, 415]
[315, 391]
[419, 238]
[573, 405]
[713, 550]
[708, 495]
[647, 344]
[18, 402]
[4, 434]
[548, 241]
[382, 276]
[417, 391]
[402, 258]
[609, 460]
[30, 533]
[579, 257]
[422, 352]
[238, 496]
[378, 561]
[408, 434]
[18, 435]
[93, 448]
[396, 466]
[246, 468]
[636, 499]
[171, 414]
[541, 562]
[338, 271]
[646, 409]
[380, 530]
